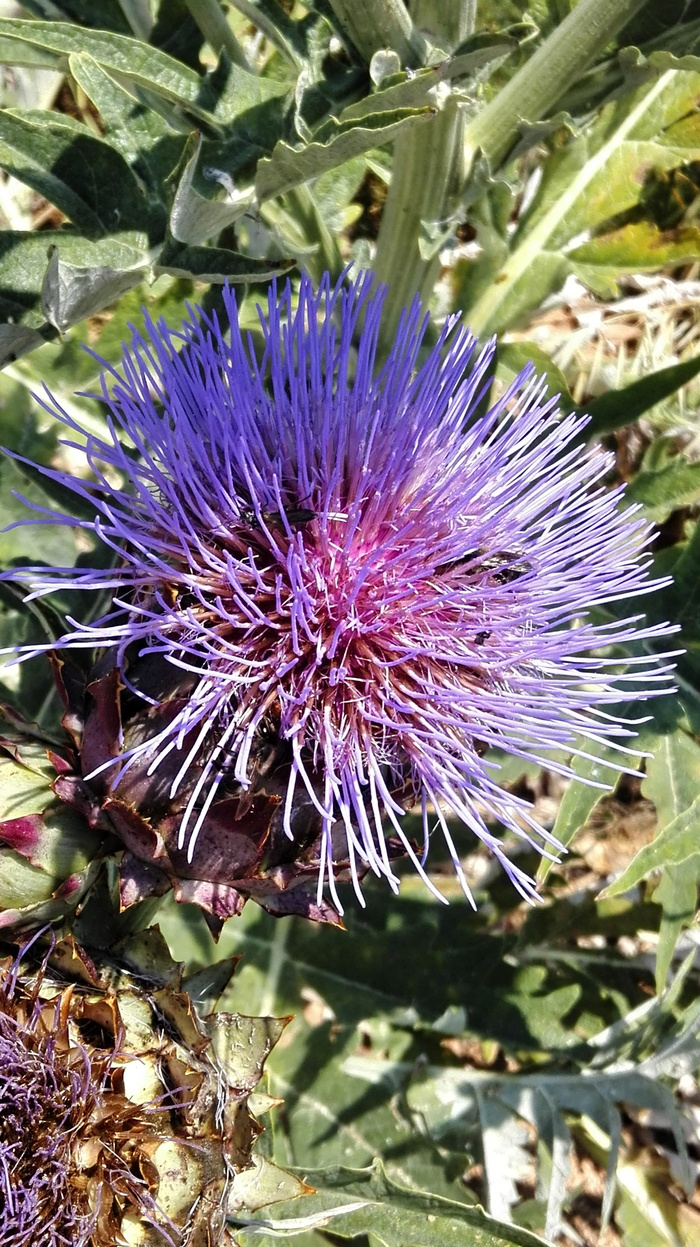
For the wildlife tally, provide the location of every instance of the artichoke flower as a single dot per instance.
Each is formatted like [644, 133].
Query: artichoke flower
[336, 588]
[125, 1117]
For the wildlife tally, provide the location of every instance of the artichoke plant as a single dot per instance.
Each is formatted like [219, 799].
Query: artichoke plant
[125, 1116]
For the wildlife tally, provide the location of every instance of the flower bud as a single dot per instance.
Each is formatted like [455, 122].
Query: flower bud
[49, 856]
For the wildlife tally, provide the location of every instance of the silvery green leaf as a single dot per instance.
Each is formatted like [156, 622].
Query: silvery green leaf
[215, 99]
[71, 293]
[78, 172]
[194, 218]
[383, 65]
[413, 90]
[23, 264]
[289, 166]
[674, 844]
[394, 1214]
[140, 133]
[503, 1144]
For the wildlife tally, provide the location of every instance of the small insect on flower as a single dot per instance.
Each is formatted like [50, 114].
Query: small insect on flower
[339, 590]
[279, 519]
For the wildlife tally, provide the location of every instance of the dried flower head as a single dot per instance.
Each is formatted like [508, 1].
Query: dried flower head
[359, 583]
[123, 1116]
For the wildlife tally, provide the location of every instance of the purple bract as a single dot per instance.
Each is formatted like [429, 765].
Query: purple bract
[354, 561]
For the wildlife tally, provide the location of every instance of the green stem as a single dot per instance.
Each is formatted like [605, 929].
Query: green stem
[425, 179]
[544, 79]
[216, 30]
[486, 314]
[428, 172]
[276, 32]
[302, 208]
[375, 24]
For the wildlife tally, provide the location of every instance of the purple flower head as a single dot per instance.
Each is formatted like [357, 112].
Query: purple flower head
[353, 560]
[43, 1097]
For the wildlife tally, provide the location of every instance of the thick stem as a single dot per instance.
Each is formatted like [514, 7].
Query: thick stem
[375, 24]
[425, 179]
[216, 30]
[427, 175]
[550, 72]
[301, 206]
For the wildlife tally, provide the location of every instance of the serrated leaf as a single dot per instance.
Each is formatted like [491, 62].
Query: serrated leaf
[335, 985]
[80, 174]
[591, 179]
[411, 91]
[215, 98]
[24, 42]
[289, 166]
[395, 1215]
[488, 1107]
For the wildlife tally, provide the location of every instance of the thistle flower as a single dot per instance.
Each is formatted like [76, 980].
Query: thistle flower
[123, 1116]
[337, 587]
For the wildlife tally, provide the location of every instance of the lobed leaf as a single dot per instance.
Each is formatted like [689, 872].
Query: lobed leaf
[589, 180]
[289, 166]
[214, 99]
[395, 1215]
